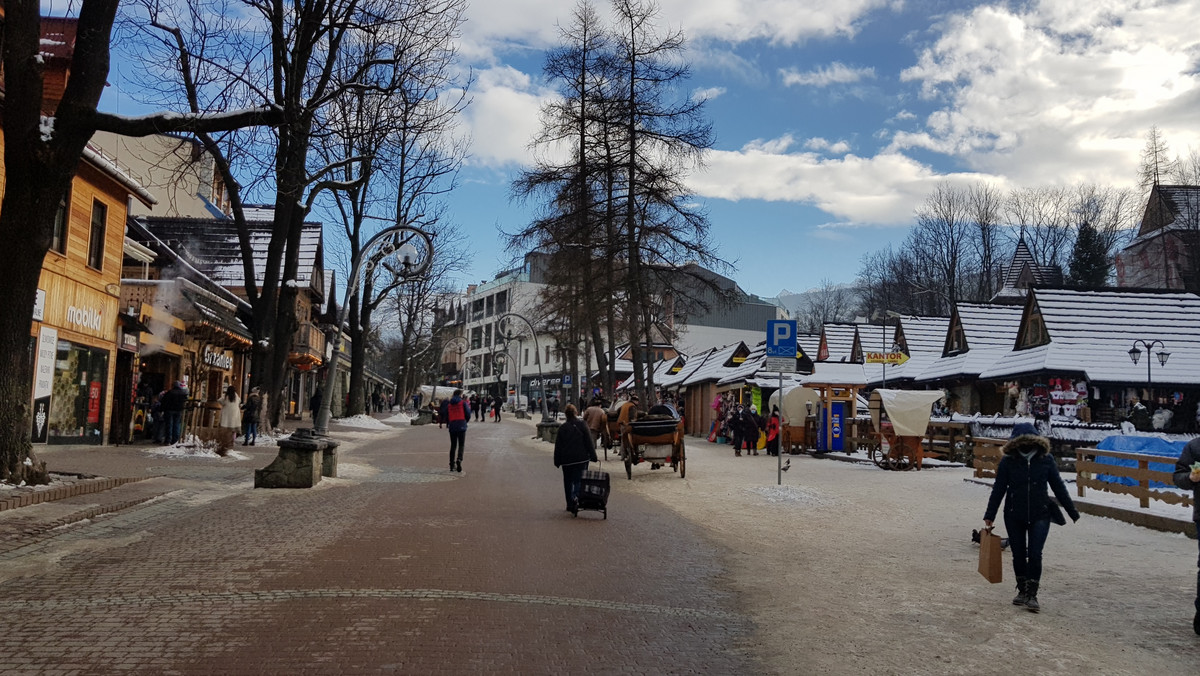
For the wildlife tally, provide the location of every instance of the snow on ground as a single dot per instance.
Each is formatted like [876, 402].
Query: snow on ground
[360, 421]
[864, 570]
[192, 447]
[400, 418]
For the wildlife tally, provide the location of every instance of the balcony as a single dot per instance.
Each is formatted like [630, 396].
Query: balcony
[308, 346]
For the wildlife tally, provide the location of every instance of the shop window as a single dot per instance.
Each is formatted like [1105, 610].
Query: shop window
[58, 241]
[476, 338]
[487, 335]
[502, 302]
[491, 305]
[77, 398]
[96, 242]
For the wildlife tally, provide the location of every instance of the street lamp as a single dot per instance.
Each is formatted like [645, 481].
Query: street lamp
[413, 249]
[460, 346]
[537, 353]
[1162, 354]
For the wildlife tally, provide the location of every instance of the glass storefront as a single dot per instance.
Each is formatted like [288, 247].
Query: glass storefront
[77, 401]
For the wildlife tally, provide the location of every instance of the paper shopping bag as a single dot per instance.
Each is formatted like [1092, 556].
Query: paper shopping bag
[991, 566]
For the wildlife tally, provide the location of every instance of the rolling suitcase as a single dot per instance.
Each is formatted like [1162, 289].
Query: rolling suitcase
[593, 491]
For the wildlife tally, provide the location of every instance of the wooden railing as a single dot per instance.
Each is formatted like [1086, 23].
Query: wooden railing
[1086, 469]
[986, 456]
[943, 438]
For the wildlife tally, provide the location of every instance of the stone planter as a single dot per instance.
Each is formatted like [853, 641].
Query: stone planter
[304, 457]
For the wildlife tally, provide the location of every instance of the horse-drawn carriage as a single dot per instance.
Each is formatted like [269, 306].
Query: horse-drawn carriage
[618, 415]
[900, 418]
[654, 438]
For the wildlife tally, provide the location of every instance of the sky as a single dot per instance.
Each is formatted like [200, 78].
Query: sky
[834, 120]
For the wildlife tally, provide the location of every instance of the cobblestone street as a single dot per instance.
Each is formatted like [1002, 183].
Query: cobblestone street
[396, 566]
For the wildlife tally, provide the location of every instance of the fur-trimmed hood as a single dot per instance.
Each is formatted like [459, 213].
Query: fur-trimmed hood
[1025, 442]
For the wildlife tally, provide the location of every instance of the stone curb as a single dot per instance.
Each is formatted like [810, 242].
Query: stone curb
[82, 488]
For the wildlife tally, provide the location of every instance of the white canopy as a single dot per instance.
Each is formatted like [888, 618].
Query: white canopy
[795, 404]
[908, 410]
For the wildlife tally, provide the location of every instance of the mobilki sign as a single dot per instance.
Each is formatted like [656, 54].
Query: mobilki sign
[84, 317]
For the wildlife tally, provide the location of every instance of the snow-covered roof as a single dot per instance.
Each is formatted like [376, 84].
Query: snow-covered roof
[693, 363]
[833, 373]
[94, 156]
[1091, 332]
[839, 340]
[809, 343]
[661, 369]
[212, 246]
[714, 368]
[990, 332]
[922, 339]
[1181, 204]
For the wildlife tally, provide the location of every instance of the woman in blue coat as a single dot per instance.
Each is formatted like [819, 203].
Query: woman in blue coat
[1025, 471]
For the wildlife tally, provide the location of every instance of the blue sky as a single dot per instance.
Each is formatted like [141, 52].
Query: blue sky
[834, 120]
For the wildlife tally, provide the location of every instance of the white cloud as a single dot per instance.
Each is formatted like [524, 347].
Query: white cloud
[503, 117]
[707, 94]
[769, 146]
[1062, 90]
[884, 189]
[496, 26]
[834, 73]
[819, 144]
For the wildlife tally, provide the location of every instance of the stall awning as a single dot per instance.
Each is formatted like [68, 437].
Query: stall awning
[217, 322]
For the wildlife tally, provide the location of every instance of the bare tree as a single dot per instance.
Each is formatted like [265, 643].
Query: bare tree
[393, 144]
[41, 156]
[985, 205]
[1156, 161]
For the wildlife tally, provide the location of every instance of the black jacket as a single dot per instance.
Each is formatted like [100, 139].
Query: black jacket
[573, 444]
[174, 400]
[1183, 471]
[1022, 483]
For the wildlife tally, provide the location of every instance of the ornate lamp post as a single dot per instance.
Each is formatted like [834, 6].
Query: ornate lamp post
[1162, 354]
[460, 346]
[508, 335]
[412, 248]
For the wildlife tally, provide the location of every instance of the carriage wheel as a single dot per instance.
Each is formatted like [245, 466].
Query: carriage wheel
[629, 466]
[682, 463]
[880, 458]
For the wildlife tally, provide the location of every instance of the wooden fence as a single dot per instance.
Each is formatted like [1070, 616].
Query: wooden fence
[987, 456]
[1086, 469]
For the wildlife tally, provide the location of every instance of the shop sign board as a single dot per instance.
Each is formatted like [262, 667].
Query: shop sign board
[217, 358]
[43, 382]
[39, 305]
[890, 358]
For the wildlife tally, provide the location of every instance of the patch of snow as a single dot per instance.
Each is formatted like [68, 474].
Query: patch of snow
[28, 462]
[400, 419]
[361, 421]
[46, 127]
[796, 494]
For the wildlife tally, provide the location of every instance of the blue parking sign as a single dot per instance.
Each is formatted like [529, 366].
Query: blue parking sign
[781, 338]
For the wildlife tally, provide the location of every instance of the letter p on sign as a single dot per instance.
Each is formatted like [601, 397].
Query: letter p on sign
[781, 338]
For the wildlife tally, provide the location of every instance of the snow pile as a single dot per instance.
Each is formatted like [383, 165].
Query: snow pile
[361, 421]
[192, 447]
[401, 418]
[793, 494]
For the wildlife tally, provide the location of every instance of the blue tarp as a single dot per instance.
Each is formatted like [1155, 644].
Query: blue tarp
[1145, 446]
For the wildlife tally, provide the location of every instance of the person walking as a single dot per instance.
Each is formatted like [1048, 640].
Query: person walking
[574, 447]
[1187, 477]
[455, 412]
[773, 432]
[250, 413]
[496, 402]
[231, 416]
[754, 424]
[735, 430]
[1026, 469]
[173, 403]
[595, 418]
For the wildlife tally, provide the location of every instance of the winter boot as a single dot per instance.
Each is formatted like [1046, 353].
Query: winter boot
[1022, 596]
[1031, 601]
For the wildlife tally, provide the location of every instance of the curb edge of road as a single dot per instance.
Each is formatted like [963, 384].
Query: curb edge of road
[60, 492]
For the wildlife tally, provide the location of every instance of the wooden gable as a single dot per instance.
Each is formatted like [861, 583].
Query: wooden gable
[956, 336]
[856, 350]
[823, 347]
[1032, 332]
